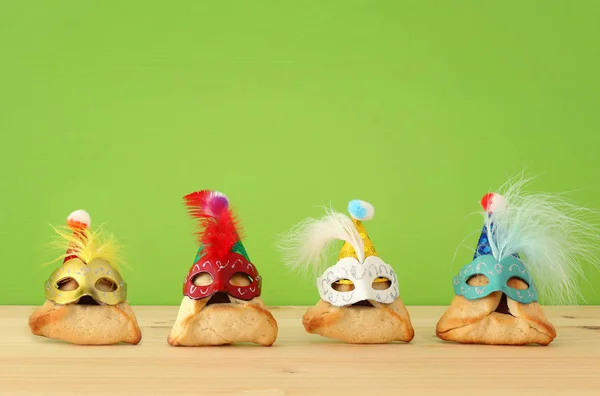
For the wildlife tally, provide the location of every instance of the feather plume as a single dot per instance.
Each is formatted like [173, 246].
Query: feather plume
[553, 237]
[306, 246]
[87, 245]
[218, 229]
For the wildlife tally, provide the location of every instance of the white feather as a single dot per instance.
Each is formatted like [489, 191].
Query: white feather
[552, 236]
[306, 245]
[498, 204]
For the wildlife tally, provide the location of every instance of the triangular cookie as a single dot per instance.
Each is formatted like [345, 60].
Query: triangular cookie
[221, 303]
[86, 297]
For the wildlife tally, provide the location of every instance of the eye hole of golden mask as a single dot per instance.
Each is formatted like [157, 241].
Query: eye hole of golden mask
[202, 279]
[478, 280]
[67, 284]
[106, 285]
[517, 283]
[343, 285]
[240, 279]
[381, 283]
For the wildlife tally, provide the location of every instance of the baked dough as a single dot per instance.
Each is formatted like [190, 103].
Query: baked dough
[381, 323]
[199, 324]
[86, 324]
[495, 319]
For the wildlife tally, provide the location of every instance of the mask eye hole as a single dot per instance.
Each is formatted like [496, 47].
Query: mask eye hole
[517, 283]
[343, 285]
[202, 279]
[240, 279]
[67, 284]
[106, 285]
[478, 280]
[381, 283]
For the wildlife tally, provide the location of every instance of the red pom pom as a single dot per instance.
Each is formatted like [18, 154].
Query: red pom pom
[486, 202]
[493, 203]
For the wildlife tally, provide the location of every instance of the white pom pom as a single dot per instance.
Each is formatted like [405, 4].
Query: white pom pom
[361, 210]
[498, 204]
[79, 216]
[493, 203]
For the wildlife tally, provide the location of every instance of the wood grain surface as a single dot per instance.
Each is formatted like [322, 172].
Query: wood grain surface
[300, 363]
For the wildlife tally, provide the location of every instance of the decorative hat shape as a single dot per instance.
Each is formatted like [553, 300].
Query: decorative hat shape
[359, 294]
[491, 203]
[360, 211]
[221, 302]
[86, 297]
[91, 265]
[496, 298]
[218, 233]
[79, 221]
[221, 253]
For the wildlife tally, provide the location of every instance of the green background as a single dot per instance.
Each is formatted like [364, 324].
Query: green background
[420, 107]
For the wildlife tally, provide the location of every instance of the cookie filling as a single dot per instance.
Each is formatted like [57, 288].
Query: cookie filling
[503, 306]
[87, 300]
[363, 303]
[219, 298]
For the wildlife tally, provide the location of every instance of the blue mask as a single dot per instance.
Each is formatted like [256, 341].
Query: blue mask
[498, 274]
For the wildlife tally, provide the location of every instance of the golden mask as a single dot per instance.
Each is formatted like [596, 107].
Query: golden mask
[75, 279]
[90, 268]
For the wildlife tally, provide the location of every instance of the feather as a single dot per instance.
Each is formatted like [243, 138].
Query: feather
[306, 246]
[87, 245]
[552, 235]
[218, 229]
[206, 203]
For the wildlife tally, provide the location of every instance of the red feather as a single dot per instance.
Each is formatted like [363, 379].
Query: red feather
[218, 229]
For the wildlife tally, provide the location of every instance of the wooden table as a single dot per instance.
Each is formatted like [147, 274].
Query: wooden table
[302, 364]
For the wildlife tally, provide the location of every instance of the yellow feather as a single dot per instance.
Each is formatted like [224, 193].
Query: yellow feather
[97, 244]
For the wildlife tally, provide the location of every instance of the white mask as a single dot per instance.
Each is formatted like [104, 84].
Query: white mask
[362, 276]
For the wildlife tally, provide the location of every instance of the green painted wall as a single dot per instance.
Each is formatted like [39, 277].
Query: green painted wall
[419, 107]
